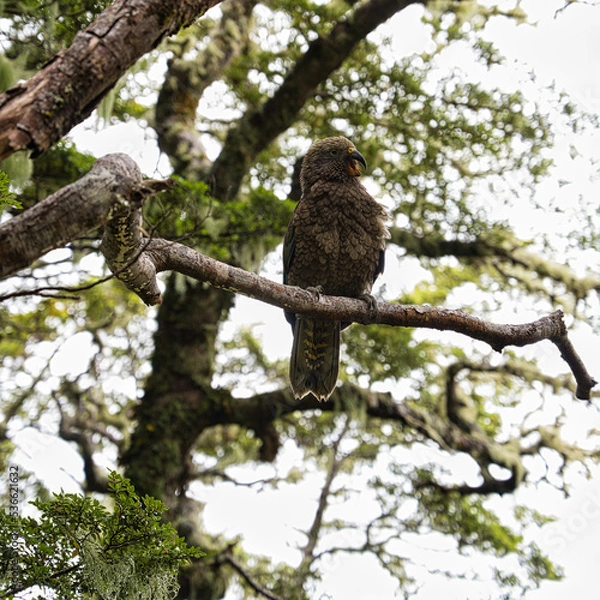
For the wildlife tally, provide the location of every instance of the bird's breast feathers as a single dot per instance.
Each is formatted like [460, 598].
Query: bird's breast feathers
[338, 236]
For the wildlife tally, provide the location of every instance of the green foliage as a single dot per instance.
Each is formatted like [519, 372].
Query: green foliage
[78, 548]
[384, 352]
[19, 168]
[60, 165]
[39, 29]
[7, 198]
[446, 278]
[241, 230]
[7, 73]
[38, 324]
[476, 527]
[110, 306]
[467, 520]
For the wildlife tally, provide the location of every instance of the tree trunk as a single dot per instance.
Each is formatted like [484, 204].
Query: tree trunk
[178, 399]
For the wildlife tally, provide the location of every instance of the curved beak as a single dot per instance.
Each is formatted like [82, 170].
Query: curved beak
[355, 157]
[358, 157]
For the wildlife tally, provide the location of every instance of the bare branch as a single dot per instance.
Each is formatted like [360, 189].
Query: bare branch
[56, 291]
[431, 425]
[209, 474]
[227, 558]
[115, 190]
[162, 255]
[95, 479]
[315, 529]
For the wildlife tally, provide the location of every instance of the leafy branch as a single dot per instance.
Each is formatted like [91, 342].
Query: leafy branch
[78, 544]
[7, 198]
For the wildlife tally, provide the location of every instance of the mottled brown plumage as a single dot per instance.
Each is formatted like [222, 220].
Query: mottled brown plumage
[334, 244]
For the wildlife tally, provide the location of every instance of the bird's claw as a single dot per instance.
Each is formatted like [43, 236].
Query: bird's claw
[315, 291]
[372, 306]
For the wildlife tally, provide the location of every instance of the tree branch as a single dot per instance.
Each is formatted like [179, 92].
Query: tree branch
[37, 113]
[227, 558]
[308, 551]
[517, 262]
[185, 82]
[162, 255]
[268, 407]
[259, 127]
[114, 181]
[431, 425]
[112, 193]
[95, 479]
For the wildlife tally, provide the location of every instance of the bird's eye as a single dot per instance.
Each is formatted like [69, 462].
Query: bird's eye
[333, 152]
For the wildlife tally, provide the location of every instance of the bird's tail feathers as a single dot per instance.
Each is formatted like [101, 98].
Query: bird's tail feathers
[315, 357]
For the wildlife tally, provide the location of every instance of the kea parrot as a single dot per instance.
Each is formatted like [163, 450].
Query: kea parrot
[334, 245]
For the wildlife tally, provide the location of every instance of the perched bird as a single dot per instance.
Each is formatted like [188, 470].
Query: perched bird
[334, 245]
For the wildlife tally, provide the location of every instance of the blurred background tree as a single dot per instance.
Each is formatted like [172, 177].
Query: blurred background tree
[427, 431]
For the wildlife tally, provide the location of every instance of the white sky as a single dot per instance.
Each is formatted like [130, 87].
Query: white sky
[564, 49]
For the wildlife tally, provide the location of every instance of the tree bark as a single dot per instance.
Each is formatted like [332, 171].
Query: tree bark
[37, 113]
[179, 401]
[114, 180]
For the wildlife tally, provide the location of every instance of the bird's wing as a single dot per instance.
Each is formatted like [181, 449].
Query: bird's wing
[288, 251]
[380, 265]
[288, 256]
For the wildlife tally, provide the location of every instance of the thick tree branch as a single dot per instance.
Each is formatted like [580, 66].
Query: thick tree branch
[161, 255]
[112, 193]
[186, 81]
[434, 426]
[37, 113]
[264, 408]
[113, 186]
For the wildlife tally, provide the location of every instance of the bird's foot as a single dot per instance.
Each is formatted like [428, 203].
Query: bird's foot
[371, 305]
[315, 291]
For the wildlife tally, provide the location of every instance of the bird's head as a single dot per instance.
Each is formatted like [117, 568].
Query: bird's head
[331, 159]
